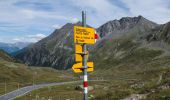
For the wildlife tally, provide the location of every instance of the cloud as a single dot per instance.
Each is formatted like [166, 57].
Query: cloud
[17, 39]
[56, 26]
[29, 38]
[35, 5]
[98, 12]
[43, 16]
[36, 36]
[74, 20]
[155, 10]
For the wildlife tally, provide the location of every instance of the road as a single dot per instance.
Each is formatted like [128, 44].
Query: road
[20, 92]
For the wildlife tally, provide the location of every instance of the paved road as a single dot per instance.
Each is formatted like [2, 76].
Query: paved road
[20, 92]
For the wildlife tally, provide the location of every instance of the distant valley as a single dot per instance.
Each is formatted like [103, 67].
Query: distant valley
[13, 47]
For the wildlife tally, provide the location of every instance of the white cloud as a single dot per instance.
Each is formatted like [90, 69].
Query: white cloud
[36, 37]
[29, 38]
[56, 26]
[99, 11]
[155, 10]
[34, 20]
[74, 20]
[16, 39]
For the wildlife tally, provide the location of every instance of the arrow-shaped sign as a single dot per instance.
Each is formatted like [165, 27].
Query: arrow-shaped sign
[78, 68]
[78, 48]
[78, 58]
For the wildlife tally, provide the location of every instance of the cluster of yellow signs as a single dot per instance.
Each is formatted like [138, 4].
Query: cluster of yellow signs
[82, 35]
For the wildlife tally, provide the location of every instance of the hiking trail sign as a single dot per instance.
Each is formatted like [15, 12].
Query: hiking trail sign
[84, 35]
[78, 67]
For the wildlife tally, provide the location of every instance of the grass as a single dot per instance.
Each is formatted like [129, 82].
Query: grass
[128, 69]
[69, 92]
[125, 78]
[5, 56]
[118, 87]
[12, 74]
[159, 95]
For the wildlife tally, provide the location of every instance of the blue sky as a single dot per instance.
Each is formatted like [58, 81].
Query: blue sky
[32, 20]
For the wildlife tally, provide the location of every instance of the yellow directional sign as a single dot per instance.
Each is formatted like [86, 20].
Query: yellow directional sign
[78, 58]
[84, 35]
[78, 68]
[78, 48]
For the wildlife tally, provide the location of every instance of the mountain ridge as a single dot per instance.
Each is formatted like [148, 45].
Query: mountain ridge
[123, 24]
[57, 50]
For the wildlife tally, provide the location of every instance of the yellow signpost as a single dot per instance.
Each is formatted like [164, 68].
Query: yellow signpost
[78, 67]
[78, 48]
[84, 35]
[78, 58]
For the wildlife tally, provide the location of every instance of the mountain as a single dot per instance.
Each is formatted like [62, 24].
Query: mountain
[21, 45]
[133, 53]
[56, 50]
[119, 27]
[160, 33]
[8, 47]
[139, 58]
[122, 41]
[130, 41]
[13, 47]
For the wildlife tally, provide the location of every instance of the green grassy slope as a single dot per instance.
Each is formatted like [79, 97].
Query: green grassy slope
[132, 65]
[14, 75]
[130, 68]
[5, 56]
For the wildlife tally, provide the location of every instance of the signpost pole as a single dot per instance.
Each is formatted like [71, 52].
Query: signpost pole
[85, 82]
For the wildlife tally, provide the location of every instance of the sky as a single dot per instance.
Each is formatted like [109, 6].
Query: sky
[32, 20]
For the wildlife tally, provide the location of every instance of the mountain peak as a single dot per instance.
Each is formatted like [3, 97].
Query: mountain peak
[140, 16]
[124, 24]
[133, 19]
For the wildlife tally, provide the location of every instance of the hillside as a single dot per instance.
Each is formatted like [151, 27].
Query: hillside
[15, 75]
[124, 25]
[5, 56]
[57, 49]
[8, 47]
[132, 53]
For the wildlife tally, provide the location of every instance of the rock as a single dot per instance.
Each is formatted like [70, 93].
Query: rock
[80, 87]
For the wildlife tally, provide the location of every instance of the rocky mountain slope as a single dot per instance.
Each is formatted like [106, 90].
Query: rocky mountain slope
[119, 27]
[55, 50]
[120, 39]
[132, 53]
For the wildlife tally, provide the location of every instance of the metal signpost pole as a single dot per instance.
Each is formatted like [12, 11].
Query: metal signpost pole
[85, 82]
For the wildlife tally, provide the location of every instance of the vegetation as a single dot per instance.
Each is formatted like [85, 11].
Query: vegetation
[16, 75]
[5, 56]
[69, 92]
[133, 71]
